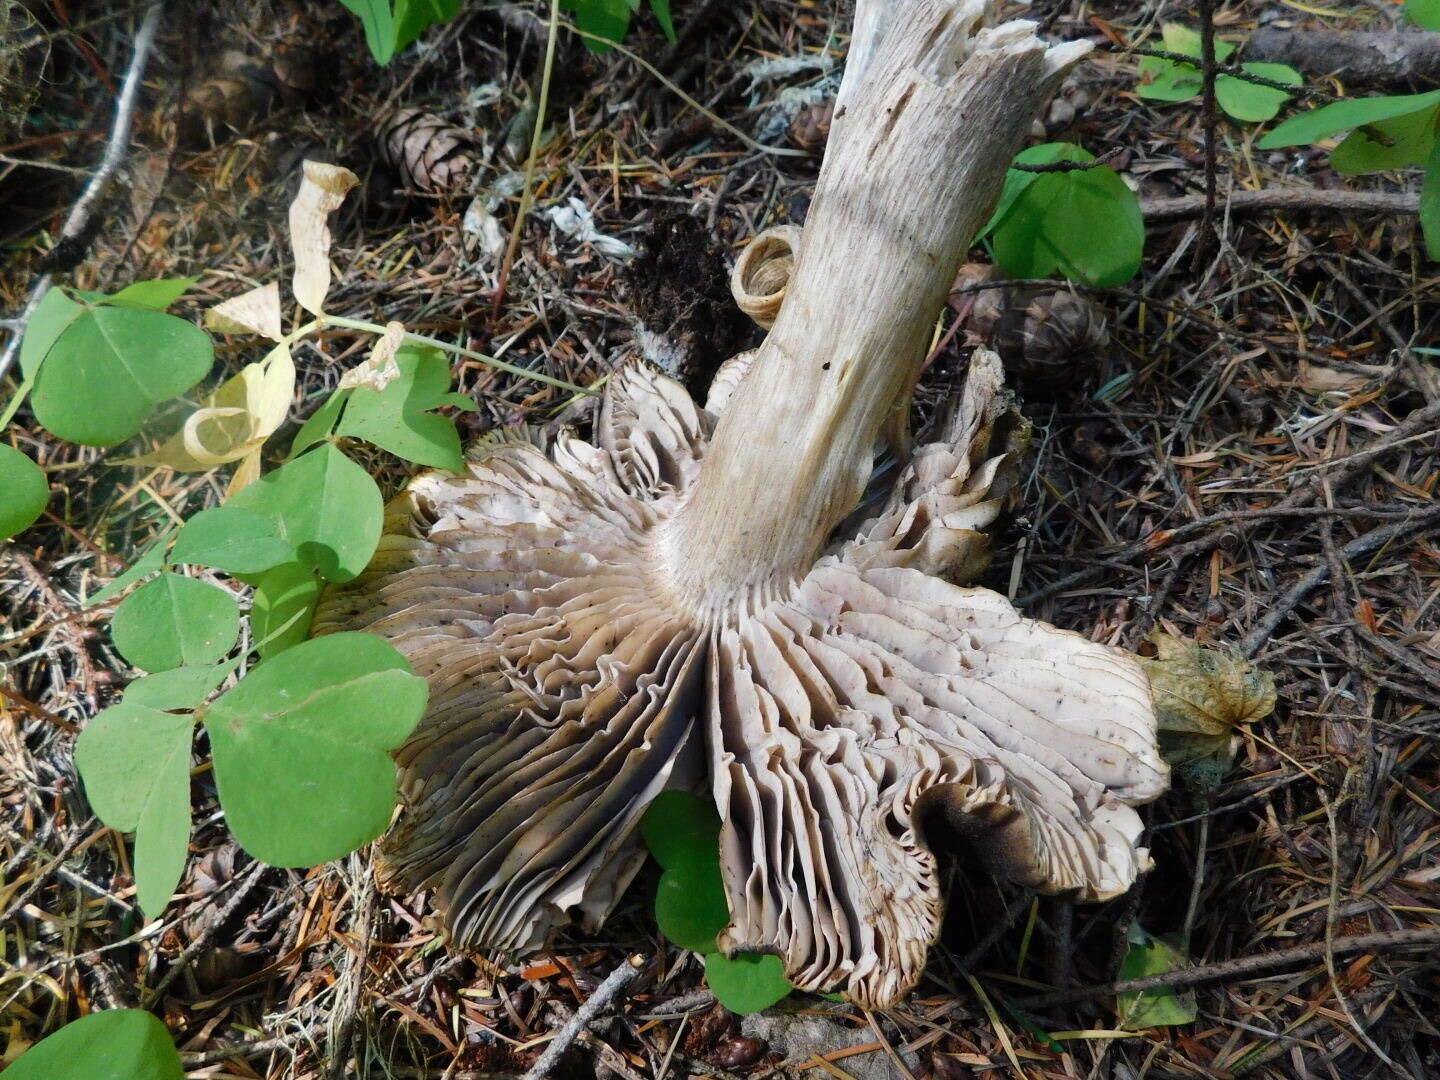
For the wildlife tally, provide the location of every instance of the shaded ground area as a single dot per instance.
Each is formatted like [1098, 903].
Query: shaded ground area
[1249, 460]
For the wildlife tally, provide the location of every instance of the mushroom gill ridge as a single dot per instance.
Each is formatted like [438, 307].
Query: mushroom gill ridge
[566, 675]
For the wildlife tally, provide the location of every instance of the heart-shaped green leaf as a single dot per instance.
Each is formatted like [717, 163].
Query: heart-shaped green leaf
[606, 19]
[1252, 102]
[282, 606]
[179, 688]
[135, 762]
[233, 539]
[118, 1044]
[1423, 13]
[680, 829]
[174, 620]
[327, 508]
[747, 983]
[1152, 1008]
[397, 418]
[24, 492]
[301, 747]
[690, 905]
[99, 370]
[156, 295]
[1085, 224]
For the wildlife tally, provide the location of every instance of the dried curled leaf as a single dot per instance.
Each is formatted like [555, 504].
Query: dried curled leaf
[1202, 695]
[321, 192]
[253, 312]
[378, 370]
[234, 421]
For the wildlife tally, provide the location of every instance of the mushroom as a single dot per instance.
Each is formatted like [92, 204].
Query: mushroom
[752, 595]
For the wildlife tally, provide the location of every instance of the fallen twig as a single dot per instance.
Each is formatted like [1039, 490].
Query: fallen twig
[203, 939]
[1240, 967]
[616, 981]
[74, 233]
[1298, 198]
[1373, 58]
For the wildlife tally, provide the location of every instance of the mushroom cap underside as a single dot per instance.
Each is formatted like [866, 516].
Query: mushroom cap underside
[570, 684]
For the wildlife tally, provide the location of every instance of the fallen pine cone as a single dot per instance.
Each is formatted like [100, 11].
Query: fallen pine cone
[1050, 340]
[245, 90]
[430, 154]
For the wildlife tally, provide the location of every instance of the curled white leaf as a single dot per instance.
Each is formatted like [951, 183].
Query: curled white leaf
[379, 369]
[253, 312]
[235, 420]
[321, 192]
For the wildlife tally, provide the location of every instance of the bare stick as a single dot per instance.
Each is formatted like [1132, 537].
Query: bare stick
[70, 246]
[1296, 198]
[616, 981]
[1240, 968]
[207, 935]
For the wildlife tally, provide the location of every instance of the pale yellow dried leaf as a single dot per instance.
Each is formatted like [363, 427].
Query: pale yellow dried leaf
[321, 192]
[380, 369]
[1205, 691]
[253, 312]
[234, 421]
[246, 473]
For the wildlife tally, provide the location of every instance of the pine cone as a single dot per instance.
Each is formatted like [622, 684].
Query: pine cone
[1050, 340]
[429, 153]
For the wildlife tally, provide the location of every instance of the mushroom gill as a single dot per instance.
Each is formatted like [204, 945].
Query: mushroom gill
[751, 591]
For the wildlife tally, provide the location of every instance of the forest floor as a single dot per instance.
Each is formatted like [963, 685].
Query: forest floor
[1251, 461]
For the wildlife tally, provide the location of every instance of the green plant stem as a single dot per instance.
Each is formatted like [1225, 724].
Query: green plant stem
[21, 393]
[470, 354]
[527, 196]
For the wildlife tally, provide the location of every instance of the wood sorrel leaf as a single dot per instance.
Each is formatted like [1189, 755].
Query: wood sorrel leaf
[24, 492]
[1085, 224]
[327, 507]
[282, 607]
[396, 418]
[175, 620]
[1314, 125]
[100, 369]
[301, 747]
[233, 539]
[1152, 1008]
[135, 762]
[1250, 101]
[152, 560]
[747, 983]
[117, 1044]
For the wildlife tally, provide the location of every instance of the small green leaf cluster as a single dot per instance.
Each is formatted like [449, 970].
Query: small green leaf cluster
[607, 21]
[390, 25]
[1083, 223]
[1171, 80]
[1386, 133]
[1162, 1007]
[683, 834]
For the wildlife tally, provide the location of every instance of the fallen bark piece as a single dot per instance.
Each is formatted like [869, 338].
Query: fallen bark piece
[1359, 57]
[765, 589]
